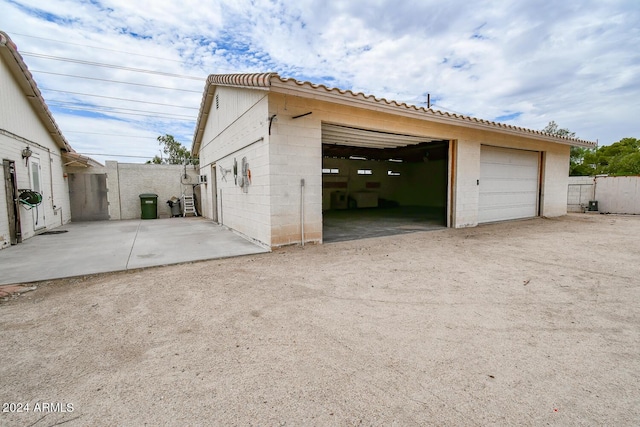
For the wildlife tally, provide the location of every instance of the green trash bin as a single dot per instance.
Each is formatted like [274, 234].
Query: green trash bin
[149, 206]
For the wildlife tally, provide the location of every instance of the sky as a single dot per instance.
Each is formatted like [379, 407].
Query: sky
[117, 74]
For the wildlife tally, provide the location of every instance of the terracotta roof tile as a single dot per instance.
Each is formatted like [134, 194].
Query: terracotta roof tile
[268, 80]
[248, 80]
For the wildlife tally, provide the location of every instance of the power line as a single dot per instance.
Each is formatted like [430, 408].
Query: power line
[112, 109]
[103, 65]
[96, 47]
[183, 62]
[119, 99]
[109, 134]
[113, 81]
[113, 155]
[128, 114]
[124, 155]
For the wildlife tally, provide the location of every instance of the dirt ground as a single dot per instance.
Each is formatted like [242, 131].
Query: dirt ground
[523, 323]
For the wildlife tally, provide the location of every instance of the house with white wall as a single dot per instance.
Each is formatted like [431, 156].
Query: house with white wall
[33, 153]
[278, 155]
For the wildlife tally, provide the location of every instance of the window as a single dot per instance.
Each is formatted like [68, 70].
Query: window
[365, 172]
[330, 171]
[393, 173]
[217, 102]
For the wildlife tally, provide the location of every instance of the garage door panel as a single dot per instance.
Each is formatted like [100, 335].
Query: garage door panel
[510, 172]
[516, 186]
[508, 184]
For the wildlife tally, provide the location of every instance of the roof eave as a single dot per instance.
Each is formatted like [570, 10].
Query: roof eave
[273, 82]
[20, 71]
[261, 81]
[293, 87]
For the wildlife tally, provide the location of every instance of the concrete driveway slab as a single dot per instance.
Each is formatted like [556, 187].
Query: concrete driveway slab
[104, 246]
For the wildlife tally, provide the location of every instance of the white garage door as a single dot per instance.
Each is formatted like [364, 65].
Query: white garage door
[508, 184]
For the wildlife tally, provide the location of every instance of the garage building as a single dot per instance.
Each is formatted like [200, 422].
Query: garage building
[285, 162]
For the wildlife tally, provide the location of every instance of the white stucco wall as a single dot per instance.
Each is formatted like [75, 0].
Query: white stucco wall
[21, 127]
[618, 194]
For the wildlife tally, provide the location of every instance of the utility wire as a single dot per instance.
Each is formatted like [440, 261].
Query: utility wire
[113, 81]
[96, 47]
[116, 67]
[126, 155]
[109, 134]
[119, 99]
[129, 114]
[113, 155]
[108, 108]
[117, 51]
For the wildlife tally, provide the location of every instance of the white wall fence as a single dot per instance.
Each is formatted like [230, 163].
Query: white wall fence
[614, 194]
[126, 181]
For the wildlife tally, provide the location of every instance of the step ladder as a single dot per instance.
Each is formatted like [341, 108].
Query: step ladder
[188, 205]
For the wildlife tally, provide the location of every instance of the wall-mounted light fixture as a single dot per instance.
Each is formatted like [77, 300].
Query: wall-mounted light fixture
[26, 153]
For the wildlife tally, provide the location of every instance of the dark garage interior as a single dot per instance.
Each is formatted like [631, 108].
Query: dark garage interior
[378, 184]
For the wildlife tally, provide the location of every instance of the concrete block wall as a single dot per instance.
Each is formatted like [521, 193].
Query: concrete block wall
[296, 154]
[555, 177]
[238, 128]
[126, 181]
[246, 212]
[468, 142]
[466, 194]
[555, 171]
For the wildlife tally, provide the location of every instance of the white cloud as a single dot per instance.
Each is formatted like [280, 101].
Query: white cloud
[538, 61]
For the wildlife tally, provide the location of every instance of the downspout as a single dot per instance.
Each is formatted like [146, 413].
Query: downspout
[302, 211]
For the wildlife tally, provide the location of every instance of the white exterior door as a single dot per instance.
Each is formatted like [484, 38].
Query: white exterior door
[36, 185]
[509, 182]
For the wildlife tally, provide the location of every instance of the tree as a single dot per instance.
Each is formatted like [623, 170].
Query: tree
[553, 129]
[620, 158]
[576, 157]
[175, 152]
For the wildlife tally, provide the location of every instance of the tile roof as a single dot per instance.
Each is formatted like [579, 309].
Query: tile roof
[272, 81]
